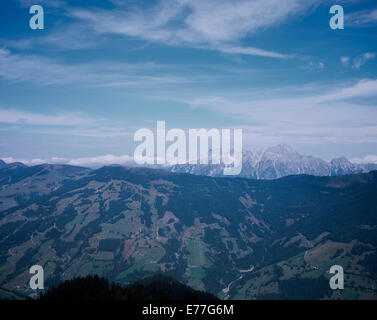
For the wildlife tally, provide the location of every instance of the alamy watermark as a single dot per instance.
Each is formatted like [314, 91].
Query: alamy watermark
[37, 280]
[337, 20]
[183, 150]
[37, 20]
[337, 280]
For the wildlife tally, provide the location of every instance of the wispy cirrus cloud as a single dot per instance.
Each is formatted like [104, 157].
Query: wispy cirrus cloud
[14, 116]
[324, 115]
[47, 3]
[62, 124]
[364, 18]
[358, 61]
[211, 24]
[362, 88]
[73, 36]
[44, 71]
[250, 51]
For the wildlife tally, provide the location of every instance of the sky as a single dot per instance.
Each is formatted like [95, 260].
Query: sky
[76, 91]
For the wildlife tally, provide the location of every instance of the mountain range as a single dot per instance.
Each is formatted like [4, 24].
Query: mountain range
[264, 164]
[236, 238]
[279, 161]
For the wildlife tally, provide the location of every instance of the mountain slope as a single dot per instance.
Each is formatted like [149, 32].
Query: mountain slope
[214, 234]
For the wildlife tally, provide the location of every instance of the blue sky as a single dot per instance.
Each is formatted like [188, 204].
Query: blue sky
[78, 90]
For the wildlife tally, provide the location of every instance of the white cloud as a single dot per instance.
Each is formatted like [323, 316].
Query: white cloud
[101, 160]
[329, 115]
[363, 18]
[44, 71]
[345, 61]
[93, 162]
[216, 24]
[222, 20]
[12, 116]
[63, 124]
[367, 159]
[361, 89]
[358, 61]
[362, 59]
[36, 161]
[316, 65]
[251, 52]
[73, 36]
[46, 3]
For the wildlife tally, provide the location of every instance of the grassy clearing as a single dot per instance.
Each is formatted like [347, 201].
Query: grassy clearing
[197, 252]
[197, 273]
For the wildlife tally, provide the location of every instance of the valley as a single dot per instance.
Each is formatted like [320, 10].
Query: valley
[236, 238]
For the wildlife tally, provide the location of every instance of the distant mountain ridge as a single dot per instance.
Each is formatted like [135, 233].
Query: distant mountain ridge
[3, 164]
[264, 164]
[277, 162]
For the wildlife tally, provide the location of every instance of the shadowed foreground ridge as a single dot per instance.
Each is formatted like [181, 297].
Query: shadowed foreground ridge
[158, 287]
